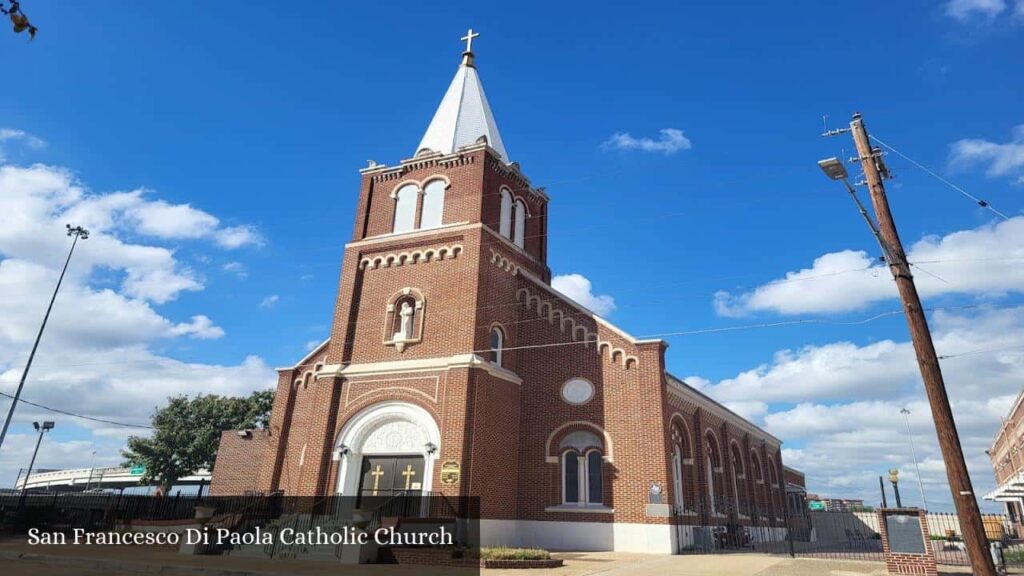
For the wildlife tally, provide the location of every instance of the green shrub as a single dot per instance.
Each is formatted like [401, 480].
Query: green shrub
[506, 553]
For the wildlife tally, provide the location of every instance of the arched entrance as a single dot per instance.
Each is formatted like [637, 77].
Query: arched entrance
[387, 449]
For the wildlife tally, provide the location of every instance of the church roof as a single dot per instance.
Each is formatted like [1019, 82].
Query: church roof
[464, 117]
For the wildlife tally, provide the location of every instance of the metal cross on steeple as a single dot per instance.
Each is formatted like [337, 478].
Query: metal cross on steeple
[469, 39]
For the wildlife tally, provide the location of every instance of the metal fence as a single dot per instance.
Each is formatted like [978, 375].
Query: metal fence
[830, 535]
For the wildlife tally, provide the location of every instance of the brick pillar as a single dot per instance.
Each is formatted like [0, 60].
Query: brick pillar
[280, 422]
[729, 472]
[902, 562]
[317, 452]
[700, 465]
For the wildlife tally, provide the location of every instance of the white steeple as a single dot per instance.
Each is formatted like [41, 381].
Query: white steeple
[464, 117]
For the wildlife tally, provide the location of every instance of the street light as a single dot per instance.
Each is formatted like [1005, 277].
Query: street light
[42, 429]
[913, 452]
[894, 477]
[834, 170]
[78, 233]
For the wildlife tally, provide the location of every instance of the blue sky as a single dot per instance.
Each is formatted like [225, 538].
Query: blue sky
[258, 116]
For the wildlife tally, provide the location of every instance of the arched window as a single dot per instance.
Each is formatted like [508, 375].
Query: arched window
[677, 479]
[582, 469]
[405, 208]
[497, 343]
[713, 473]
[505, 223]
[774, 490]
[595, 481]
[738, 480]
[757, 475]
[571, 477]
[520, 231]
[433, 204]
[682, 465]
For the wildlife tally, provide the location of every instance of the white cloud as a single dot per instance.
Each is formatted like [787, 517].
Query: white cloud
[670, 141]
[988, 260]
[269, 301]
[163, 220]
[965, 10]
[200, 327]
[577, 287]
[840, 402]
[236, 268]
[11, 135]
[1003, 159]
[98, 354]
[238, 236]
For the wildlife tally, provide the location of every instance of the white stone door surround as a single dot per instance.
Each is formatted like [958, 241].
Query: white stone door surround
[386, 428]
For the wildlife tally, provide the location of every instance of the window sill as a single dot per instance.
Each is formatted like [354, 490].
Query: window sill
[589, 509]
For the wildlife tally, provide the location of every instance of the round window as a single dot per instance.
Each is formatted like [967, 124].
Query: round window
[577, 391]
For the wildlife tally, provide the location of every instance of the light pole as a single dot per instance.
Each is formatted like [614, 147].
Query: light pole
[44, 428]
[92, 467]
[913, 451]
[894, 477]
[77, 233]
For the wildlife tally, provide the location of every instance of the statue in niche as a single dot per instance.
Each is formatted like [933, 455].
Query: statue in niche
[404, 331]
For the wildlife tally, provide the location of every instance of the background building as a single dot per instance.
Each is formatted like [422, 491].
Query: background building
[1008, 461]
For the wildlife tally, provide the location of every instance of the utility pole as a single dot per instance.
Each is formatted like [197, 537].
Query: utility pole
[927, 360]
[78, 233]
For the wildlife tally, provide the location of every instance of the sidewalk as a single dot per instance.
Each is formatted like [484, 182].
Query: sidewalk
[17, 557]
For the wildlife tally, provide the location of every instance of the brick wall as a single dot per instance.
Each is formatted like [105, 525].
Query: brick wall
[234, 471]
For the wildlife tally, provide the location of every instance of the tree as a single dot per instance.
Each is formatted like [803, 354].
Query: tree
[187, 433]
[18, 18]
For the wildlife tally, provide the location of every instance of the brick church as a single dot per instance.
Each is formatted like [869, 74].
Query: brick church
[454, 368]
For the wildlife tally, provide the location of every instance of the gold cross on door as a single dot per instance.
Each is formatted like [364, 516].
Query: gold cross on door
[377, 473]
[408, 473]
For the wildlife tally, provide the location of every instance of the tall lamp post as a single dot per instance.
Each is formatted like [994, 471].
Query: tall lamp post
[913, 452]
[43, 429]
[77, 233]
[894, 477]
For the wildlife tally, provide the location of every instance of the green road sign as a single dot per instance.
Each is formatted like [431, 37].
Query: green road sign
[816, 505]
[138, 470]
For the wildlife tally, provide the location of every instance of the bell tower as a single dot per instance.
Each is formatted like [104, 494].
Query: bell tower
[424, 280]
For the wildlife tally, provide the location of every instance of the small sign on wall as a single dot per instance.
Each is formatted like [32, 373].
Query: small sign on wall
[450, 472]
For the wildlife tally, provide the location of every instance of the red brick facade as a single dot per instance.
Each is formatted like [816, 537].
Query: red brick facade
[502, 426]
[235, 456]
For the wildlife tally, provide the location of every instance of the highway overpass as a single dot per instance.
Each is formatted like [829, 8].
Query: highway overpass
[95, 478]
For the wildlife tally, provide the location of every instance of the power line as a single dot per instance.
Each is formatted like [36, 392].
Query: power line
[983, 203]
[649, 336]
[799, 321]
[73, 415]
[979, 351]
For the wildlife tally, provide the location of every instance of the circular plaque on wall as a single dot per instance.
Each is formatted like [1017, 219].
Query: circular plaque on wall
[577, 391]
